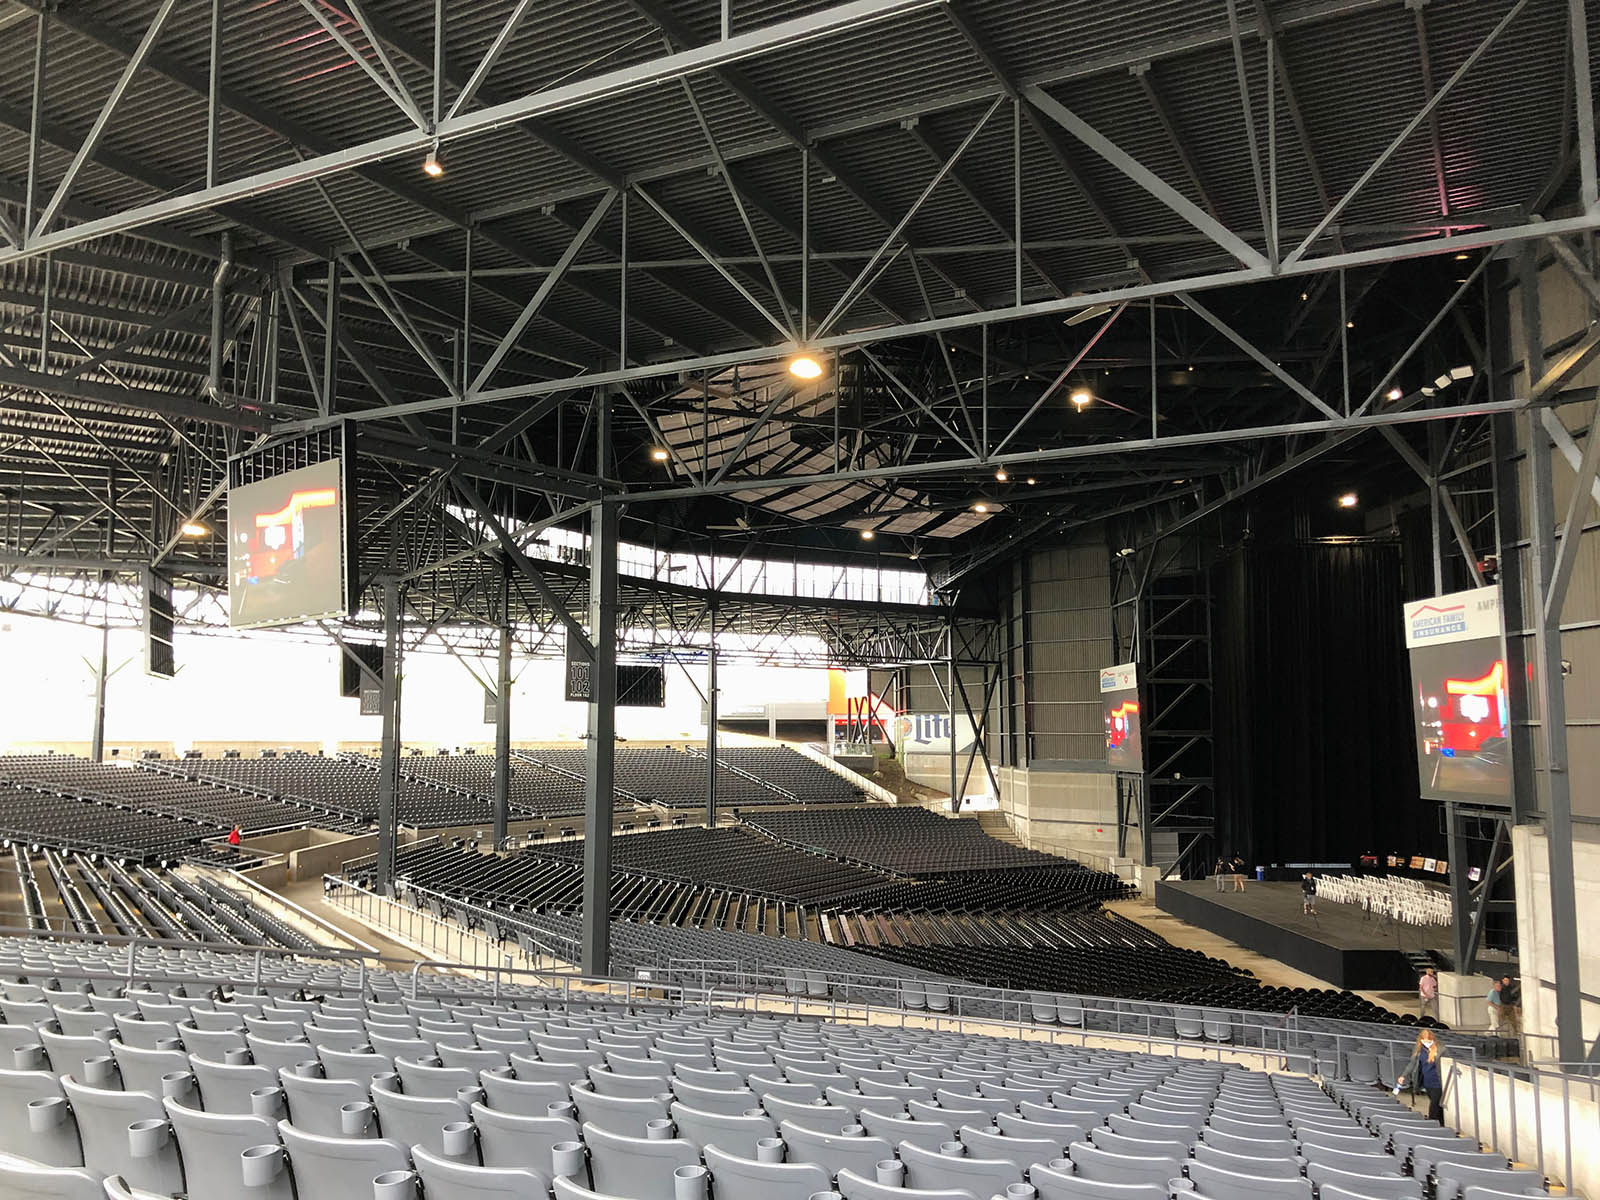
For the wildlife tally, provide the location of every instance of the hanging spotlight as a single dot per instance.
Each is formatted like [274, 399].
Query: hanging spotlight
[659, 453]
[1032, 481]
[1395, 393]
[194, 529]
[1080, 399]
[433, 165]
[867, 535]
[804, 366]
[1348, 500]
[980, 507]
[1001, 476]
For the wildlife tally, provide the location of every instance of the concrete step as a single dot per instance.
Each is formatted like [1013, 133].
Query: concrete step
[995, 825]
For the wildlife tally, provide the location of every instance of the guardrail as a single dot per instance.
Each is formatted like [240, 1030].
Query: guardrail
[1543, 1117]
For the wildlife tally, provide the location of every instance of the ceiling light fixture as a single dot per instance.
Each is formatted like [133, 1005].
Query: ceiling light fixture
[1032, 481]
[659, 453]
[433, 165]
[1348, 500]
[1001, 476]
[1395, 393]
[194, 529]
[1080, 399]
[867, 535]
[804, 366]
[1087, 314]
[980, 507]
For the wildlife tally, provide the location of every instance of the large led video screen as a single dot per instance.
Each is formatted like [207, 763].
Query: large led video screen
[1119, 697]
[286, 552]
[1458, 697]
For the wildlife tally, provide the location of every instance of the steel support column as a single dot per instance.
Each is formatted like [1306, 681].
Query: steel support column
[502, 723]
[711, 725]
[389, 751]
[1460, 889]
[950, 704]
[97, 740]
[1549, 683]
[598, 785]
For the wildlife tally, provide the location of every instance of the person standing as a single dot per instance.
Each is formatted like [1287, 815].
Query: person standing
[1423, 1071]
[1510, 1006]
[1222, 872]
[233, 836]
[1493, 1001]
[1308, 895]
[1428, 994]
[1238, 873]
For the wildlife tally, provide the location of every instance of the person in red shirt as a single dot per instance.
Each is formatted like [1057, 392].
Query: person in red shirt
[233, 836]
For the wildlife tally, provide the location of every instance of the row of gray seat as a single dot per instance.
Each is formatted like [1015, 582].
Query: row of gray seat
[959, 1115]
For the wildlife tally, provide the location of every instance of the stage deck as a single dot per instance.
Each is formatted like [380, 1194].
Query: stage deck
[1340, 944]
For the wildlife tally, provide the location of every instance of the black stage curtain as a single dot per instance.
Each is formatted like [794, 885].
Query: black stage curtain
[1312, 719]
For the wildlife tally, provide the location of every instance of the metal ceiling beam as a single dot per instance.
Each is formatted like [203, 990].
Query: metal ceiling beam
[1143, 176]
[1180, 144]
[853, 14]
[167, 404]
[1405, 133]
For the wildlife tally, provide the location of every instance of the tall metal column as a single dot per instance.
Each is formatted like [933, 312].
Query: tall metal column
[97, 740]
[1460, 888]
[1550, 687]
[711, 725]
[602, 715]
[502, 734]
[389, 753]
[950, 700]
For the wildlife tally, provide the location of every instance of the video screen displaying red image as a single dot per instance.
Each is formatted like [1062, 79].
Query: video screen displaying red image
[286, 547]
[1119, 698]
[1459, 699]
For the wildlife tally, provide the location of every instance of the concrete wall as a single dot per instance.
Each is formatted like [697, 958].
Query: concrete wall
[1063, 812]
[1536, 949]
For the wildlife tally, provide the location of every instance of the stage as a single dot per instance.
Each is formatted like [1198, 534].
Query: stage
[1337, 945]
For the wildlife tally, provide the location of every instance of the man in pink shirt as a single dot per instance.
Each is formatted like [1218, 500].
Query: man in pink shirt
[1428, 992]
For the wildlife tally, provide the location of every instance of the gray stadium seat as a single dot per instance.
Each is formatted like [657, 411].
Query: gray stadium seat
[315, 1105]
[930, 1135]
[1216, 1183]
[835, 1152]
[1450, 1178]
[735, 1133]
[416, 1120]
[32, 1181]
[1242, 1164]
[933, 1170]
[517, 1141]
[1021, 1152]
[1056, 1181]
[635, 1168]
[463, 1181]
[1106, 1167]
[617, 1114]
[1374, 1186]
[210, 1144]
[737, 1178]
[858, 1187]
[35, 1120]
[336, 1168]
[103, 1118]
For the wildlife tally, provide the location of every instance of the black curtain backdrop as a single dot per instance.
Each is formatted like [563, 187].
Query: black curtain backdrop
[1315, 760]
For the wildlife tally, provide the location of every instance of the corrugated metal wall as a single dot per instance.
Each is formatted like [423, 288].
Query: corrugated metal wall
[1058, 637]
